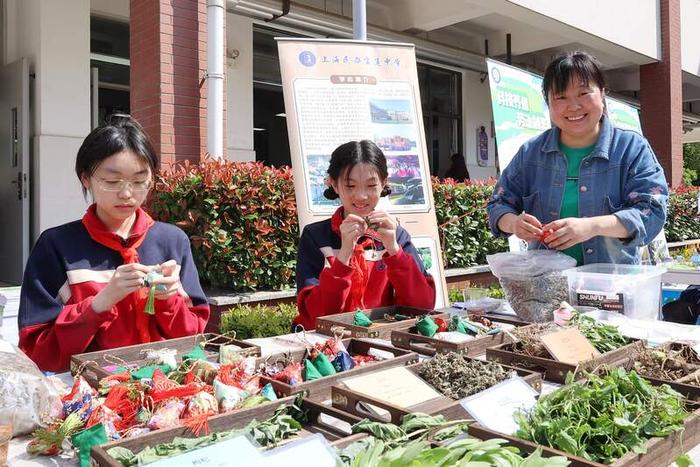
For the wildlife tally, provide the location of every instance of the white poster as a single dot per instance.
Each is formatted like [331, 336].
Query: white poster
[337, 91]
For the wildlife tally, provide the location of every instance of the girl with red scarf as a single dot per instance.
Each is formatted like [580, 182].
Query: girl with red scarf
[360, 257]
[84, 284]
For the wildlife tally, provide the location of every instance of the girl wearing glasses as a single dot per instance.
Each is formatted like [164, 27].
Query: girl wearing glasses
[84, 284]
[360, 257]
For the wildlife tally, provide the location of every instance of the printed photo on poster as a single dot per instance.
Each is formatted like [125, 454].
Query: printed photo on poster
[316, 172]
[391, 111]
[395, 138]
[427, 250]
[405, 180]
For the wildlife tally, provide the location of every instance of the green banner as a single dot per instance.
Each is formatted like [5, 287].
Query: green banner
[520, 113]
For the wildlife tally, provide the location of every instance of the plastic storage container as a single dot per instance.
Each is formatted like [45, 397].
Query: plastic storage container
[632, 290]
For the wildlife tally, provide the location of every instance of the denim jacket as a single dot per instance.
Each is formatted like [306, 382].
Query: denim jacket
[621, 176]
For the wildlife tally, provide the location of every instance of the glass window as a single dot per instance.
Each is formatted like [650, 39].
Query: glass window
[441, 100]
[270, 138]
[109, 37]
[110, 40]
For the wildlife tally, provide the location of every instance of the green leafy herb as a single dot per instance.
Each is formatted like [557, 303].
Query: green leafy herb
[604, 337]
[604, 417]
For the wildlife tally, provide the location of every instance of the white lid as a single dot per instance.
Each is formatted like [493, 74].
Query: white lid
[616, 269]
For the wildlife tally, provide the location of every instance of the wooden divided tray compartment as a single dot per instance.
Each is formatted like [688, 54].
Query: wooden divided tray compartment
[691, 391]
[409, 338]
[92, 364]
[351, 401]
[554, 370]
[381, 327]
[332, 423]
[320, 389]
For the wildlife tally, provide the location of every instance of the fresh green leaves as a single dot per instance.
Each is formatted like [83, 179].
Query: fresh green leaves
[604, 417]
[604, 337]
[467, 452]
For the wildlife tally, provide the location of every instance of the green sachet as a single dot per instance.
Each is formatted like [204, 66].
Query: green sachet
[426, 326]
[147, 371]
[361, 319]
[323, 365]
[197, 353]
[457, 325]
[86, 439]
[310, 371]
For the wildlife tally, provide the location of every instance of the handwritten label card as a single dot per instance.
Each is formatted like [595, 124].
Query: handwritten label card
[494, 407]
[397, 386]
[218, 455]
[313, 450]
[569, 346]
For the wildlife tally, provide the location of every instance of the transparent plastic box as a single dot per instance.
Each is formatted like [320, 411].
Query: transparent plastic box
[632, 290]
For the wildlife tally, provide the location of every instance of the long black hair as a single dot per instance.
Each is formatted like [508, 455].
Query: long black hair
[120, 133]
[569, 65]
[348, 155]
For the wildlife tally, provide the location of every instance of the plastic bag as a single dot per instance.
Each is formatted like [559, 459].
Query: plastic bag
[533, 281]
[27, 397]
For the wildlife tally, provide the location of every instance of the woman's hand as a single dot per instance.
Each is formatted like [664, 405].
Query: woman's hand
[524, 226]
[169, 283]
[126, 279]
[568, 232]
[350, 230]
[385, 226]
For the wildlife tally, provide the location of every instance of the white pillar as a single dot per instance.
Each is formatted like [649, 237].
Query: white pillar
[216, 13]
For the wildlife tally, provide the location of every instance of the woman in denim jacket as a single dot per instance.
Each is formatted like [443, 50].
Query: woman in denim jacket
[584, 187]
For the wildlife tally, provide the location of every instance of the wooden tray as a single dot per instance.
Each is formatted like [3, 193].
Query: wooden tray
[318, 423]
[349, 401]
[93, 371]
[380, 329]
[660, 451]
[320, 389]
[690, 391]
[411, 339]
[556, 371]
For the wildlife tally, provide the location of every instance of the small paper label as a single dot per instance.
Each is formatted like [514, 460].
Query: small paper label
[218, 455]
[569, 346]
[300, 454]
[495, 406]
[609, 301]
[380, 354]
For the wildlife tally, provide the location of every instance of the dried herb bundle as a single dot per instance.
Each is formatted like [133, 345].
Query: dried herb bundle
[670, 365]
[536, 299]
[529, 342]
[456, 375]
[604, 337]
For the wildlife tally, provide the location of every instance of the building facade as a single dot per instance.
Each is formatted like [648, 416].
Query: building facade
[89, 58]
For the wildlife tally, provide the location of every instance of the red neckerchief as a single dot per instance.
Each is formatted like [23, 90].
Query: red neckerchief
[360, 272]
[127, 249]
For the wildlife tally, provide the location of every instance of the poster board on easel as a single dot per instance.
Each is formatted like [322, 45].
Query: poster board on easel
[337, 91]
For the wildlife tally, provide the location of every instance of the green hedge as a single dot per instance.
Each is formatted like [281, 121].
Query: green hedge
[242, 221]
[682, 221]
